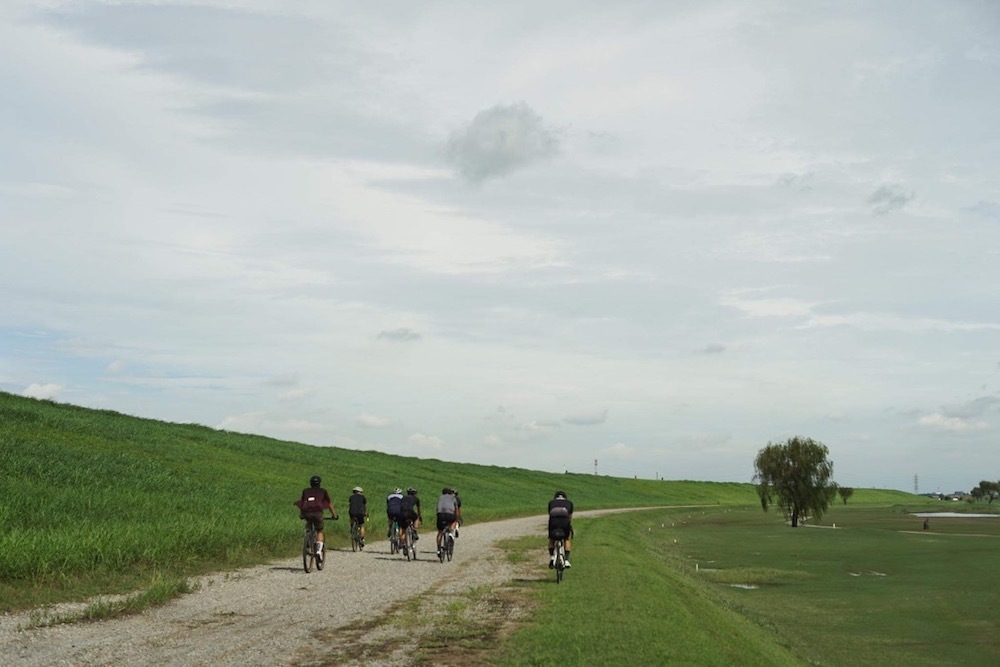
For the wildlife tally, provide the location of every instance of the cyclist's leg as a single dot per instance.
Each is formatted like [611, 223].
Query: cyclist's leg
[568, 542]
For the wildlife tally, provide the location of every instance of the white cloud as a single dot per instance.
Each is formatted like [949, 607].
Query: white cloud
[776, 307]
[587, 418]
[44, 391]
[367, 420]
[426, 443]
[954, 424]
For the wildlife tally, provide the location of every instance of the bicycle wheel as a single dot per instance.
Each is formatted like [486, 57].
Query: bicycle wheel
[308, 552]
[355, 540]
[560, 560]
[449, 545]
[394, 538]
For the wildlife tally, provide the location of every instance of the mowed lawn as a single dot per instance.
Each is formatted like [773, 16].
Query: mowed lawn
[738, 586]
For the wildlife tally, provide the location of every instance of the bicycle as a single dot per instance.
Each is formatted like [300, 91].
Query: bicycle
[394, 538]
[310, 553]
[408, 549]
[357, 542]
[560, 556]
[447, 546]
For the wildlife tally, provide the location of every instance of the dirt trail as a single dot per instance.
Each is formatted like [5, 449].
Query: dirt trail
[272, 614]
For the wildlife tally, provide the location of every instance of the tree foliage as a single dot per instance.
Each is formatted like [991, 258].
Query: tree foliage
[845, 493]
[988, 491]
[795, 476]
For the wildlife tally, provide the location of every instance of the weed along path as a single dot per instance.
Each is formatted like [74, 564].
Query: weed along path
[276, 614]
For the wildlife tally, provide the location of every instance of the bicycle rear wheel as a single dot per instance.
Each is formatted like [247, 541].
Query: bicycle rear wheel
[449, 545]
[560, 560]
[355, 539]
[308, 552]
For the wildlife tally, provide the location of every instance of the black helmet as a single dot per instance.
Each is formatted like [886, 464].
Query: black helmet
[411, 491]
[445, 491]
[560, 494]
[315, 480]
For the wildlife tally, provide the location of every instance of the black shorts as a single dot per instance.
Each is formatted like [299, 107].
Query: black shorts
[445, 520]
[358, 519]
[393, 517]
[560, 528]
[314, 519]
[404, 521]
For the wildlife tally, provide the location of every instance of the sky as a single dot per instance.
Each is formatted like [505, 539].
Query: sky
[637, 238]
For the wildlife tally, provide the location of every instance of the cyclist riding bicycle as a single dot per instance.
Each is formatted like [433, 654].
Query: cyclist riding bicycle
[448, 513]
[357, 509]
[393, 506]
[409, 515]
[560, 525]
[314, 500]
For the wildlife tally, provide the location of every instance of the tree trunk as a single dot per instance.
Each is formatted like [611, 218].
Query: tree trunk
[795, 518]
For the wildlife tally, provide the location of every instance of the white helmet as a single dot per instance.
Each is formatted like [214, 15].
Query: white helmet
[357, 489]
[398, 490]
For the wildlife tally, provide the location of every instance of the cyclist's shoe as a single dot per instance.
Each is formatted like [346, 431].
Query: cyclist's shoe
[566, 565]
[439, 553]
[552, 562]
[362, 543]
[415, 536]
[456, 533]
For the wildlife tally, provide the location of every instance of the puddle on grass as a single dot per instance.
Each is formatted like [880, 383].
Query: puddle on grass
[954, 515]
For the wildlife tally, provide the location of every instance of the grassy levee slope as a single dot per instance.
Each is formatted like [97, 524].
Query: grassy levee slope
[94, 501]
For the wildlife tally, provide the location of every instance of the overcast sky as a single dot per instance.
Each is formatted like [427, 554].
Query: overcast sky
[655, 235]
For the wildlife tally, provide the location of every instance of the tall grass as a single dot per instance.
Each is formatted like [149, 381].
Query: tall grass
[93, 501]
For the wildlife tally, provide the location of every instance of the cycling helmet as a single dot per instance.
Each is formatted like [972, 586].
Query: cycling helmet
[398, 490]
[411, 491]
[315, 480]
[560, 494]
[358, 489]
[445, 491]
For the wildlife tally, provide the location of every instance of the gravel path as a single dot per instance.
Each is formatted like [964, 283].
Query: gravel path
[272, 614]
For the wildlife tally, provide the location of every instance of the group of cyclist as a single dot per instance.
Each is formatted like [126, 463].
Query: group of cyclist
[404, 511]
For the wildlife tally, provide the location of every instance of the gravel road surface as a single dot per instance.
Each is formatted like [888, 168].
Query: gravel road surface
[272, 614]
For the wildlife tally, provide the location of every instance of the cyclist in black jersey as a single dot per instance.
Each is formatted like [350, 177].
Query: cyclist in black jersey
[357, 509]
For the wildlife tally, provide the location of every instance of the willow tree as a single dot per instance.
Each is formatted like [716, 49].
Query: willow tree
[795, 476]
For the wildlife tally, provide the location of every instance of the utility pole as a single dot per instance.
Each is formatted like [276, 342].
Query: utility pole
[595, 467]
[916, 485]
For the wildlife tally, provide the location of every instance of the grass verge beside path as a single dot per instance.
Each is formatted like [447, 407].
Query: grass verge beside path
[714, 586]
[622, 604]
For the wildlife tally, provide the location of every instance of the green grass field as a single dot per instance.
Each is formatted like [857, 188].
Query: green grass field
[736, 586]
